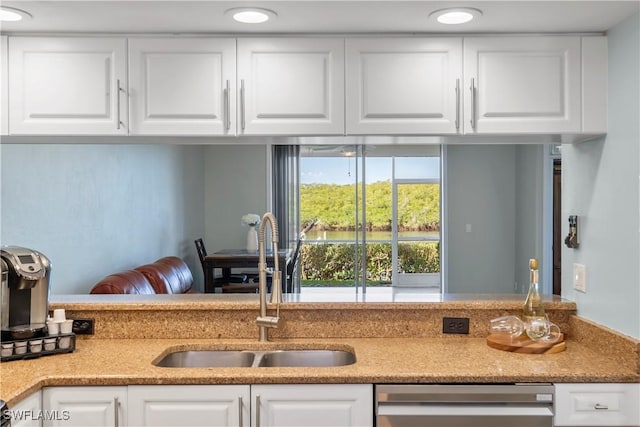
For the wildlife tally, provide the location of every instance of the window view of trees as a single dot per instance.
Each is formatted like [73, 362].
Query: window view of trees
[332, 217]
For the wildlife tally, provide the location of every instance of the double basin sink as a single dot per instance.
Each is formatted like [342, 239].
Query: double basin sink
[254, 358]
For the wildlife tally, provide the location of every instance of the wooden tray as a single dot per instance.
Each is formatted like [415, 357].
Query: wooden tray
[524, 344]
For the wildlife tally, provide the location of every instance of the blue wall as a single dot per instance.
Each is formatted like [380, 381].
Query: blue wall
[601, 185]
[98, 209]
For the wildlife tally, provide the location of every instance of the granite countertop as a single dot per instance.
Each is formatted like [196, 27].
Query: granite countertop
[395, 339]
[379, 360]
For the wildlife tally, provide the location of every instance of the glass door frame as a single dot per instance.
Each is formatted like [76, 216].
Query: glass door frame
[395, 275]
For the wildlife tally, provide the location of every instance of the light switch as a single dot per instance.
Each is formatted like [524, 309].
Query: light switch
[579, 277]
[468, 228]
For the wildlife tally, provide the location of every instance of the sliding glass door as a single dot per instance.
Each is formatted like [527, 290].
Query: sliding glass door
[370, 217]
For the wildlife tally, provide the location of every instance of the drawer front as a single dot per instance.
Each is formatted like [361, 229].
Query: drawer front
[597, 405]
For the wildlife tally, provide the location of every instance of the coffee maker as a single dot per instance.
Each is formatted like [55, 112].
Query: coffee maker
[24, 292]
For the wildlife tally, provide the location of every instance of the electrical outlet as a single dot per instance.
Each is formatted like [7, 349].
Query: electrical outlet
[580, 277]
[455, 325]
[82, 326]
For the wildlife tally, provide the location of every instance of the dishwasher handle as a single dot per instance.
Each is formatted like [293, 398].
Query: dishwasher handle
[394, 409]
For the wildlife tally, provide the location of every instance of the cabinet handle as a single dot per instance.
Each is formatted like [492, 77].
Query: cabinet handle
[600, 407]
[473, 103]
[118, 89]
[116, 412]
[257, 410]
[242, 103]
[227, 106]
[240, 411]
[457, 105]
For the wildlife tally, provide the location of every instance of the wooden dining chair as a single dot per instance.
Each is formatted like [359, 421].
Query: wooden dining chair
[292, 267]
[209, 278]
[210, 281]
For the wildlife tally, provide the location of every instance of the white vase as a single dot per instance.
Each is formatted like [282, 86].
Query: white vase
[252, 239]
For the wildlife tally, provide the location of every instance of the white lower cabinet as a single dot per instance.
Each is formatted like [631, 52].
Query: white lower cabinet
[28, 413]
[189, 406]
[86, 406]
[581, 405]
[326, 405]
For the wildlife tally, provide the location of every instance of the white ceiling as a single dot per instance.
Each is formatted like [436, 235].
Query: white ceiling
[313, 16]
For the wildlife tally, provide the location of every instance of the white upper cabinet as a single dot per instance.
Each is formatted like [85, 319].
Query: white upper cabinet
[182, 86]
[4, 86]
[403, 85]
[522, 85]
[67, 85]
[291, 86]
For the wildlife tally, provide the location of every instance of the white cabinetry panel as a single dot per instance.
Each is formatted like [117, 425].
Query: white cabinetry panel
[182, 86]
[87, 406]
[65, 85]
[291, 86]
[595, 64]
[27, 412]
[185, 406]
[522, 84]
[326, 405]
[597, 405]
[403, 85]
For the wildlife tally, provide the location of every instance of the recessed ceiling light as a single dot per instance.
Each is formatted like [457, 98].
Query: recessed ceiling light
[251, 15]
[455, 15]
[11, 14]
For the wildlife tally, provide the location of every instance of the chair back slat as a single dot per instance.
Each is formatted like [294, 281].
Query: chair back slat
[291, 268]
[202, 252]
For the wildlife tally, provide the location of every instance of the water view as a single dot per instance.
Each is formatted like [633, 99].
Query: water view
[372, 236]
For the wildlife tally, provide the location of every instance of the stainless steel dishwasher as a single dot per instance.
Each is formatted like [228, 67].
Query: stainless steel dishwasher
[512, 405]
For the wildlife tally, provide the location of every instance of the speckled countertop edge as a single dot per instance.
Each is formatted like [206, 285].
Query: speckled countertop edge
[297, 302]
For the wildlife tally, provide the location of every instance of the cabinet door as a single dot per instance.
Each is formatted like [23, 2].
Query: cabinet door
[522, 84]
[65, 85]
[86, 406]
[291, 86]
[403, 85]
[326, 405]
[597, 405]
[4, 86]
[26, 412]
[183, 405]
[182, 86]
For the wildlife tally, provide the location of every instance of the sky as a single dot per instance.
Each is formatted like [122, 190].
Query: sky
[342, 170]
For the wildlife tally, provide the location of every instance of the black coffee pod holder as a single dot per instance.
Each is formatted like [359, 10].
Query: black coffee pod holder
[64, 343]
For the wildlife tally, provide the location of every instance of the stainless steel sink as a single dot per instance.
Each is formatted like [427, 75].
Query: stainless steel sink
[307, 358]
[239, 359]
[206, 359]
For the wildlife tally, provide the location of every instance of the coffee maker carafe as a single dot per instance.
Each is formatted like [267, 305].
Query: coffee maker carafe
[24, 292]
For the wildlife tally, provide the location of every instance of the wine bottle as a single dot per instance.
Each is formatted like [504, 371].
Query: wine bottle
[533, 314]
